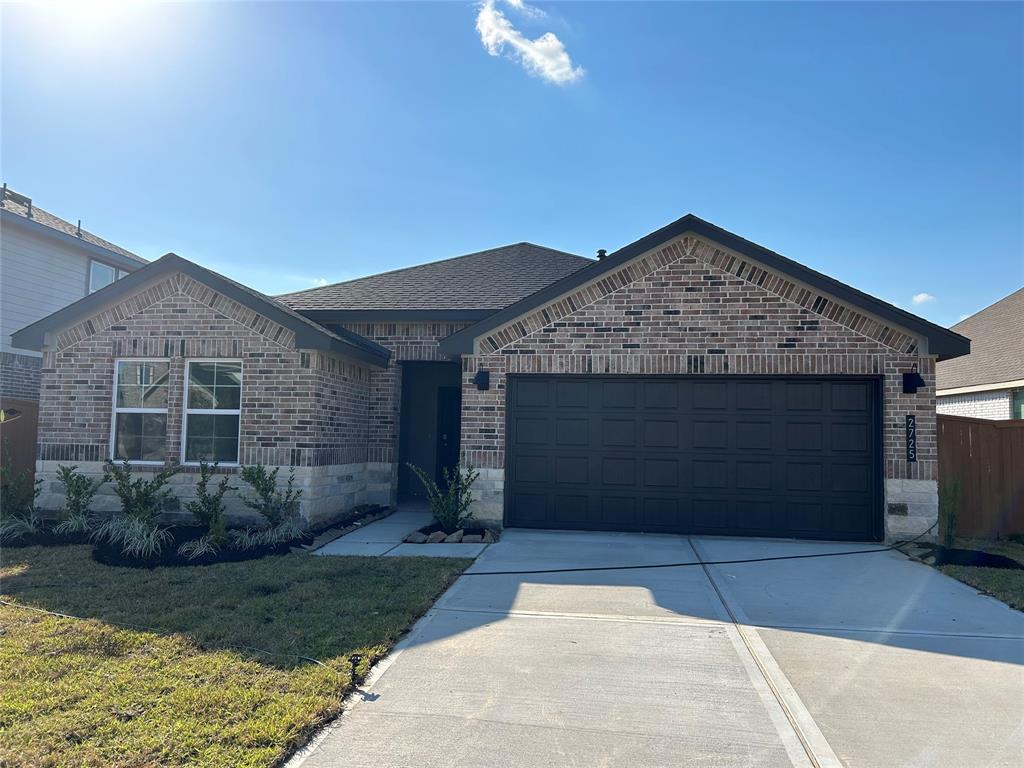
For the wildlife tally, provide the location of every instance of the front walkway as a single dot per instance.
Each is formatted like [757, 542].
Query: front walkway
[383, 538]
[869, 659]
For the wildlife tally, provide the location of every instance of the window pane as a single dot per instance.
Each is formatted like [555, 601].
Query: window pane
[200, 397]
[1018, 404]
[214, 385]
[229, 375]
[212, 437]
[140, 436]
[100, 276]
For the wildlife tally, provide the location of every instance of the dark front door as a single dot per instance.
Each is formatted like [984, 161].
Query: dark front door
[429, 423]
[793, 457]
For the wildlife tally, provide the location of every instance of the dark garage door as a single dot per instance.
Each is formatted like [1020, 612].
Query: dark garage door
[725, 455]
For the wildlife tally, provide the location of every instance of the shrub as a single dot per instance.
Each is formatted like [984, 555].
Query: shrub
[136, 530]
[208, 509]
[276, 506]
[450, 506]
[79, 490]
[949, 510]
[280, 509]
[18, 516]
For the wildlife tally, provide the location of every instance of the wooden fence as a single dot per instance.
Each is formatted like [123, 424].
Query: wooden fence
[18, 436]
[987, 457]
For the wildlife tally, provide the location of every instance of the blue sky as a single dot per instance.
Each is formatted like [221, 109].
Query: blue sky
[288, 144]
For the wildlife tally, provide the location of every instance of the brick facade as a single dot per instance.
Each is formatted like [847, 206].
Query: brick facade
[410, 341]
[19, 376]
[299, 408]
[997, 404]
[690, 308]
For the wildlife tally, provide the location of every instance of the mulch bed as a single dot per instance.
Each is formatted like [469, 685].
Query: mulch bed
[110, 554]
[47, 538]
[433, 527]
[972, 557]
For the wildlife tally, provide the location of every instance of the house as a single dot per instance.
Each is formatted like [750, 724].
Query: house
[45, 264]
[691, 381]
[988, 383]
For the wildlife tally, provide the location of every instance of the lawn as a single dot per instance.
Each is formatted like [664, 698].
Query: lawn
[1003, 584]
[179, 689]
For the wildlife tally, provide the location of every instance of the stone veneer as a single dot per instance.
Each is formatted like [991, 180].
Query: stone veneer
[692, 308]
[300, 408]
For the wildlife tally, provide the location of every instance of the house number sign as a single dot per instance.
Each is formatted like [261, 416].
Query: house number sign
[911, 438]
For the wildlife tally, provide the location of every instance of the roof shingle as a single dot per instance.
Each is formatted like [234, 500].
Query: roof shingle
[997, 347]
[490, 279]
[47, 219]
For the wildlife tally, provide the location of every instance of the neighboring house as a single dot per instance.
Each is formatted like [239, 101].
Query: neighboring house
[988, 383]
[45, 263]
[689, 382]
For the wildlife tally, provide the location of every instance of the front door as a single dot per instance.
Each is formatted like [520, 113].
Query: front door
[428, 424]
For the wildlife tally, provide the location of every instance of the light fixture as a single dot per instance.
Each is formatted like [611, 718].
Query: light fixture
[912, 381]
[482, 380]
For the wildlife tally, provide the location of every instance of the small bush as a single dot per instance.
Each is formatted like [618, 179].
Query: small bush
[208, 509]
[949, 511]
[79, 490]
[18, 517]
[136, 530]
[450, 506]
[276, 506]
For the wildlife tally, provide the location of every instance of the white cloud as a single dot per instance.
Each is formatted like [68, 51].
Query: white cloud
[319, 281]
[922, 298]
[964, 316]
[544, 57]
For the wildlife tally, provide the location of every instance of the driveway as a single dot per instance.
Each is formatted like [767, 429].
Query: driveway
[861, 660]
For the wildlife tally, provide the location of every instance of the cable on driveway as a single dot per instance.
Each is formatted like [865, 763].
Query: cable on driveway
[897, 546]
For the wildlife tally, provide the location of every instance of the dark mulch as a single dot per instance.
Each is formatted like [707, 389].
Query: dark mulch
[974, 558]
[47, 538]
[110, 554]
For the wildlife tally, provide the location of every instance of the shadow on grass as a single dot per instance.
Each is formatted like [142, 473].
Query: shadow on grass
[293, 605]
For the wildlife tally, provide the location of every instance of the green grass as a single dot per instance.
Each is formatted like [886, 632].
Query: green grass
[1002, 584]
[87, 692]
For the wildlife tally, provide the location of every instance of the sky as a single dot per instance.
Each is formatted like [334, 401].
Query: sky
[288, 145]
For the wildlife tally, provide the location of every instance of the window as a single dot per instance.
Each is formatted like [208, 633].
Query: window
[213, 399]
[1017, 406]
[101, 275]
[139, 431]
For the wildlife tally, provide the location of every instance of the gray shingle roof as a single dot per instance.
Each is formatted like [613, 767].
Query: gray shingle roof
[489, 279]
[47, 219]
[997, 347]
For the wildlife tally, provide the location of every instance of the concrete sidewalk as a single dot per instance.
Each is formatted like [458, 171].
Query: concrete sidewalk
[870, 660]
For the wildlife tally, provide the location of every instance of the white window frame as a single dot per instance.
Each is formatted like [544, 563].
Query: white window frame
[186, 411]
[102, 264]
[116, 410]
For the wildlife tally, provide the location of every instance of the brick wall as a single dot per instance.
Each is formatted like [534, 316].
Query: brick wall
[407, 342]
[690, 308]
[299, 408]
[19, 376]
[978, 405]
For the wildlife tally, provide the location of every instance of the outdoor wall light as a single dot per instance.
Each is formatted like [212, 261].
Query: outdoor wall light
[912, 380]
[482, 380]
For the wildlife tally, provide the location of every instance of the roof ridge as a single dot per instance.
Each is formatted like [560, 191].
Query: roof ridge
[430, 264]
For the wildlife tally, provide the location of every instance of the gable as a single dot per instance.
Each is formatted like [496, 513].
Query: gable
[171, 307]
[818, 293]
[692, 294]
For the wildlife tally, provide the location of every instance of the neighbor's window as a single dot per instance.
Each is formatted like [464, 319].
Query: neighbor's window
[101, 275]
[213, 402]
[140, 410]
[1018, 404]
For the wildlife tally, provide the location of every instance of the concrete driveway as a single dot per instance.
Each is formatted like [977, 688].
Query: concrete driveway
[862, 660]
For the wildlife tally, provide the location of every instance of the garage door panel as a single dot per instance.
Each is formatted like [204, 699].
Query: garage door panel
[662, 472]
[572, 470]
[722, 455]
[710, 435]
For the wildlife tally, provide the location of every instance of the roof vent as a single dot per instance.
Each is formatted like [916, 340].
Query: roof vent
[601, 253]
